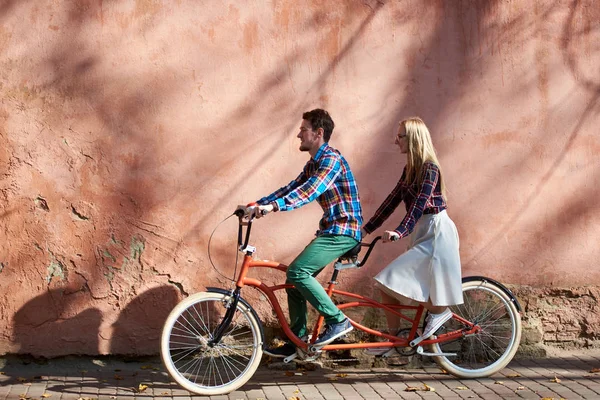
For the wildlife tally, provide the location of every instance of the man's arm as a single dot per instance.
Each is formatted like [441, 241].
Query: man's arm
[328, 170]
[282, 191]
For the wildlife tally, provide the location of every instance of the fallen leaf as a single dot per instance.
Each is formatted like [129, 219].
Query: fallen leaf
[2, 373]
[146, 367]
[499, 383]
[296, 391]
[332, 378]
[443, 371]
[521, 388]
[342, 375]
[427, 388]
[513, 375]
[289, 373]
[23, 396]
[411, 389]
[84, 371]
[46, 395]
[595, 370]
[141, 388]
[118, 377]
[555, 380]
[165, 394]
[21, 379]
[294, 398]
[462, 388]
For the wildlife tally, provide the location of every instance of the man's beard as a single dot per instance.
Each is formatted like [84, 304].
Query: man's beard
[303, 147]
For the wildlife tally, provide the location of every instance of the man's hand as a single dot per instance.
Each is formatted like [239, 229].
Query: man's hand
[261, 211]
[389, 236]
[363, 232]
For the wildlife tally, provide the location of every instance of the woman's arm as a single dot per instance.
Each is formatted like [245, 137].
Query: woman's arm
[388, 206]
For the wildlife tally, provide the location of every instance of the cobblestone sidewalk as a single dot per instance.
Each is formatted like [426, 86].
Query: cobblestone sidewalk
[573, 377]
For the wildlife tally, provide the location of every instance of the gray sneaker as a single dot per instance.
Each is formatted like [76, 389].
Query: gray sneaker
[333, 332]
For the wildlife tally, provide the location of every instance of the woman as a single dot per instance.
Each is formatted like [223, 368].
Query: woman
[429, 271]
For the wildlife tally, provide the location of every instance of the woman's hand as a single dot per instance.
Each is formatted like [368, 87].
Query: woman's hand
[389, 236]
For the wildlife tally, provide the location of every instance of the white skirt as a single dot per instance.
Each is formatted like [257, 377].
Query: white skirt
[430, 268]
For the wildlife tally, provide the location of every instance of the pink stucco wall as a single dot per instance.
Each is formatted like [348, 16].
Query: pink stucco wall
[129, 129]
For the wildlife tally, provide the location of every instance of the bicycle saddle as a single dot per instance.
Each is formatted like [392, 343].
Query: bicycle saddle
[352, 253]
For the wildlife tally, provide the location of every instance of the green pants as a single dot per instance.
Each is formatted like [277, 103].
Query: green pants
[302, 271]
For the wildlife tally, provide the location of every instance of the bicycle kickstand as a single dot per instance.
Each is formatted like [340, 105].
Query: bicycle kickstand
[424, 353]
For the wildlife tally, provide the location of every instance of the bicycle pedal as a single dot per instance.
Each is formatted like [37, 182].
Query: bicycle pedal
[422, 352]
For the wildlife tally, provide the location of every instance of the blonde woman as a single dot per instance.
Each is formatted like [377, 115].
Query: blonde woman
[429, 271]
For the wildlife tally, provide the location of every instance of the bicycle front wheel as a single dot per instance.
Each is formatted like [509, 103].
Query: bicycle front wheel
[196, 365]
[487, 352]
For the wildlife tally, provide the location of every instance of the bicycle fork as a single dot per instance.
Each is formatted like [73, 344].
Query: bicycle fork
[229, 314]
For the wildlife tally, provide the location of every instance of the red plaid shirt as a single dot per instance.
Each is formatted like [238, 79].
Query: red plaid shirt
[426, 199]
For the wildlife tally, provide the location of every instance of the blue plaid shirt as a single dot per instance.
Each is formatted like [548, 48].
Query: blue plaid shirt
[328, 179]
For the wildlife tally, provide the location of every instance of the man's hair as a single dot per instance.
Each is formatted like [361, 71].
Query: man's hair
[319, 118]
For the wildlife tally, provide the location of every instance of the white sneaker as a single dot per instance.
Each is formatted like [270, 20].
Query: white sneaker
[433, 322]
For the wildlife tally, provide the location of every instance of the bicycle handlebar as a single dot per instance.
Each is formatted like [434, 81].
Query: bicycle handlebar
[370, 246]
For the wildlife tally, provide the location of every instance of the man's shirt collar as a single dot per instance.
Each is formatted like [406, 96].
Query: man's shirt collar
[320, 151]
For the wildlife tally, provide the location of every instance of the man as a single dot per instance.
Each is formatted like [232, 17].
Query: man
[327, 178]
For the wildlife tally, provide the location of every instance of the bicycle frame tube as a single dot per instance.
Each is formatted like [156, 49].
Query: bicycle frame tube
[362, 301]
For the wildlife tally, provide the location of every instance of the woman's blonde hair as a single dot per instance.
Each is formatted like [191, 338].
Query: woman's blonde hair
[420, 151]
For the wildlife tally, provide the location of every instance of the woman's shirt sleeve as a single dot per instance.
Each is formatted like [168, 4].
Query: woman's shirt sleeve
[388, 206]
[430, 175]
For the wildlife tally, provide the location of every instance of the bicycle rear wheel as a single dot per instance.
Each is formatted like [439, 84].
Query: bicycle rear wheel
[197, 366]
[487, 352]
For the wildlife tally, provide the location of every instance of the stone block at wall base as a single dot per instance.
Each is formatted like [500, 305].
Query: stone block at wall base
[531, 351]
[562, 318]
